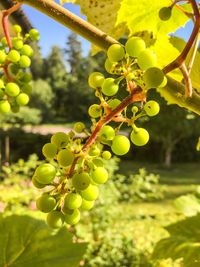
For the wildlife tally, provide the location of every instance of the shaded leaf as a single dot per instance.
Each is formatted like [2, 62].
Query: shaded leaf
[184, 242]
[25, 241]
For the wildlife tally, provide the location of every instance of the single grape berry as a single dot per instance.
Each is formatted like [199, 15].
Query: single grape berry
[4, 106]
[17, 29]
[73, 218]
[94, 111]
[147, 59]
[107, 133]
[96, 80]
[165, 13]
[26, 50]
[139, 136]
[120, 145]
[98, 162]
[110, 87]
[37, 184]
[46, 203]
[134, 46]
[13, 56]
[90, 193]
[72, 201]
[153, 77]
[94, 151]
[65, 157]
[135, 109]
[2, 56]
[106, 155]
[60, 139]
[49, 150]
[55, 219]
[87, 205]
[27, 88]
[109, 66]
[24, 61]
[22, 99]
[152, 108]
[99, 175]
[17, 43]
[45, 173]
[81, 181]
[34, 34]
[113, 103]
[12, 89]
[79, 127]
[115, 53]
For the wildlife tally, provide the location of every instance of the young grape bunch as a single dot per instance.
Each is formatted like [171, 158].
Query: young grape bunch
[15, 80]
[74, 167]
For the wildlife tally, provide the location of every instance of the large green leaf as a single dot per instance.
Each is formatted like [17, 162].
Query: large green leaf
[28, 242]
[184, 242]
[142, 15]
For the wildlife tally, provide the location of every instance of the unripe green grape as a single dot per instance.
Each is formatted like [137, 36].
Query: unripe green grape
[26, 77]
[73, 218]
[79, 127]
[12, 89]
[34, 34]
[99, 175]
[120, 145]
[17, 43]
[94, 111]
[60, 139]
[4, 41]
[98, 162]
[87, 205]
[17, 29]
[147, 59]
[107, 133]
[2, 56]
[110, 87]
[139, 136]
[106, 155]
[152, 108]
[134, 109]
[45, 173]
[15, 108]
[13, 56]
[2, 84]
[24, 62]
[27, 88]
[65, 157]
[165, 13]
[153, 77]
[55, 219]
[72, 201]
[49, 150]
[113, 103]
[115, 53]
[13, 69]
[22, 99]
[90, 193]
[65, 210]
[36, 183]
[94, 151]
[26, 50]
[46, 203]
[134, 46]
[81, 181]
[164, 83]
[4, 106]
[96, 79]
[109, 66]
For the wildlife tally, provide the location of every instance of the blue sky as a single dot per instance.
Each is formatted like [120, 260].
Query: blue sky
[53, 33]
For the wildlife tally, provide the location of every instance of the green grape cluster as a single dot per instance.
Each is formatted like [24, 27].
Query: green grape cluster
[75, 168]
[67, 195]
[15, 80]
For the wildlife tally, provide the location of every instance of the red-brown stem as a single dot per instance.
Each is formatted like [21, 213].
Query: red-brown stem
[187, 80]
[136, 95]
[181, 58]
[195, 48]
[5, 16]
[5, 69]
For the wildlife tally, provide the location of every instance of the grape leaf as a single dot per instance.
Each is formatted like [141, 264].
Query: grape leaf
[182, 243]
[143, 16]
[195, 72]
[102, 14]
[189, 205]
[25, 241]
